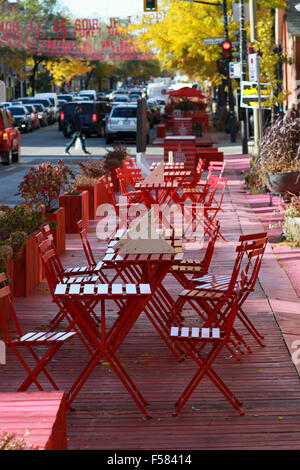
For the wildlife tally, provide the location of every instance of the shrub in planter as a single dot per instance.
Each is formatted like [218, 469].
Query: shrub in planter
[291, 226]
[93, 168]
[41, 187]
[278, 163]
[17, 227]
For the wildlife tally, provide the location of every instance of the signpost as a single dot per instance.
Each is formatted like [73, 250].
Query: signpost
[253, 67]
[254, 95]
[235, 69]
[212, 41]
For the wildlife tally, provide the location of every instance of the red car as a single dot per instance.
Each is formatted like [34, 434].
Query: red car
[9, 138]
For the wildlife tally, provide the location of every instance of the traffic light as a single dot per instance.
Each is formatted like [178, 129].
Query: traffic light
[227, 52]
[150, 5]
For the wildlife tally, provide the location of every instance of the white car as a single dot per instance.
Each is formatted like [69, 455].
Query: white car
[121, 123]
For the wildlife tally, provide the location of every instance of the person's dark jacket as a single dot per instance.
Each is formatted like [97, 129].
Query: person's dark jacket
[76, 122]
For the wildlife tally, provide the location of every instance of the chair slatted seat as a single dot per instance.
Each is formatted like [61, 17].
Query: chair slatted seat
[52, 339]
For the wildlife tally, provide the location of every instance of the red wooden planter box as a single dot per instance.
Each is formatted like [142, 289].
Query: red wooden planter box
[59, 233]
[4, 304]
[93, 191]
[27, 269]
[43, 414]
[76, 208]
[103, 196]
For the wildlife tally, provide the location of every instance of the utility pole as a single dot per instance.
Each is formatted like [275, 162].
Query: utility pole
[229, 84]
[243, 111]
[253, 38]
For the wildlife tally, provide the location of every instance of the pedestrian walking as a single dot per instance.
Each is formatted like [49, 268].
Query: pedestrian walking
[77, 129]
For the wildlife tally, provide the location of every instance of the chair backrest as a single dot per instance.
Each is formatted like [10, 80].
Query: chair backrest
[248, 260]
[46, 234]
[52, 265]
[5, 296]
[210, 247]
[86, 244]
[254, 246]
[109, 187]
[198, 173]
[216, 168]
[216, 191]
[128, 177]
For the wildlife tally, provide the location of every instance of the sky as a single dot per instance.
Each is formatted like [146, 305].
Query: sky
[104, 8]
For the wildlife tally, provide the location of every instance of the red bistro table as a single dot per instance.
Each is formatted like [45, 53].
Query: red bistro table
[104, 341]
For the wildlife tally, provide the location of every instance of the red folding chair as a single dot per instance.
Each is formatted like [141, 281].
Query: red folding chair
[128, 177]
[51, 340]
[187, 269]
[210, 199]
[214, 292]
[126, 210]
[250, 273]
[204, 344]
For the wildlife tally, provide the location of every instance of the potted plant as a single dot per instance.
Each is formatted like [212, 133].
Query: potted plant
[40, 188]
[291, 226]
[279, 158]
[114, 159]
[92, 172]
[18, 226]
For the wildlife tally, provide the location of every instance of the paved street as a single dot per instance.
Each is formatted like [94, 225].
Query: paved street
[48, 144]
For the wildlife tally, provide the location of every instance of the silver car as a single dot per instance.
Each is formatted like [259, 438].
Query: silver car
[121, 123]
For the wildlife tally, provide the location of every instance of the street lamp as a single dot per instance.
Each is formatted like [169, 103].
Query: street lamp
[223, 4]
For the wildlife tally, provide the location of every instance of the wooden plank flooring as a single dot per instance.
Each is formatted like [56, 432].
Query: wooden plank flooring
[106, 417]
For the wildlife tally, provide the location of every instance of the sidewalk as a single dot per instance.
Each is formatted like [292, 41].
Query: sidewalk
[266, 381]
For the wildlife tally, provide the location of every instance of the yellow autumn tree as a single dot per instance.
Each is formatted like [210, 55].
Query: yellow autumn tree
[177, 37]
[65, 68]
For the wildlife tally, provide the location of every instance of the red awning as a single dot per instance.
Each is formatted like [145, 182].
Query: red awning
[187, 92]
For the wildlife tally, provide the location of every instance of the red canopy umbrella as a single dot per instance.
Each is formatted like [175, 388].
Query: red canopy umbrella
[187, 92]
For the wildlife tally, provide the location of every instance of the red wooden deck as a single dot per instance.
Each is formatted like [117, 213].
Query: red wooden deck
[266, 381]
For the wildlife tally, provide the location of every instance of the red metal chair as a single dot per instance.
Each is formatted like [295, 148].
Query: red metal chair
[249, 275]
[125, 210]
[210, 200]
[187, 269]
[213, 292]
[128, 177]
[40, 339]
[204, 344]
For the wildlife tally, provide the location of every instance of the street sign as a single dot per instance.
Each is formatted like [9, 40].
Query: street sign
[249, 95]
[212, 41]
[234, 70]
[236, 12]
[253, 67]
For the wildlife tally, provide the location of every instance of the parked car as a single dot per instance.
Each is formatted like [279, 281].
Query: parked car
[52, 97]
[9, 138]
[51, 112]
[101, 96]
[93, 117]
[91, 94]
[21, 118]
[65, 96]
[120, 99]
[5, 104]
[34, 115]
[42, 114]
[121, 123]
